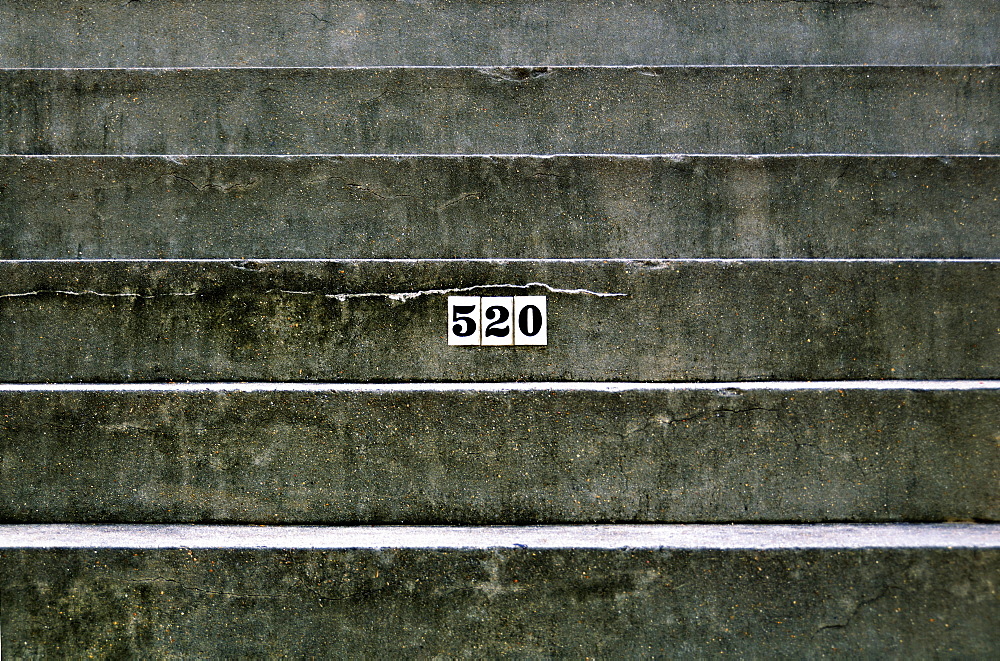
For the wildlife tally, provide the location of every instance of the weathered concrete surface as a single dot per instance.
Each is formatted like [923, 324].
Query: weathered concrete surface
[385, 321]
[733, 110]
[111, 33]
[479, 206]
[792, 601]
[468, 456]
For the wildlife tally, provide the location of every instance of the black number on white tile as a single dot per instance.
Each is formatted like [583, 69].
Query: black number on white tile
[497, 321]
[463, 320]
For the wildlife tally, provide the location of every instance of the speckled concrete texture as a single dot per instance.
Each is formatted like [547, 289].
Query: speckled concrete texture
[541, 110]
[112, 33]
[845, 453]
[386, 321]
[526, 601]
[766, 231]
[493, 206]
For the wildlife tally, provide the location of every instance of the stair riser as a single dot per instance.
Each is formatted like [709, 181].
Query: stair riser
[468, 457]
[427, 207]
[880, 110]
[297, 32]
[670, 321]
[527, 602]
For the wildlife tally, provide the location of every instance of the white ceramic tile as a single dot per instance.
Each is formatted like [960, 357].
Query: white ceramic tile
[531, 321]
[498, 320]
[463, 320]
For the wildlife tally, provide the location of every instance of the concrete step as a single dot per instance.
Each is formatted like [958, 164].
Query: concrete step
[609, 320]
[643, 110]
[501, 454]
[497, 206]
[899, 591]
[104, 33]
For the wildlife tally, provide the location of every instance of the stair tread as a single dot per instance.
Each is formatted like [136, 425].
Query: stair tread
[258, 32]
[611, 320]
[883, 591]
[72, 207]
[478, 453]
[548, 110]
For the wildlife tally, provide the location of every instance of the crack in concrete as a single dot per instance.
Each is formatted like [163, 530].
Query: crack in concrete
[666, 420]
[321, 20]
[247, 266]
[91, 292]
[549, 175]
[356, 186]
[458, 200]
[410, 295]
[394, 296]
[516, 74]
[212, 185]
[852, 613]
[371, 191]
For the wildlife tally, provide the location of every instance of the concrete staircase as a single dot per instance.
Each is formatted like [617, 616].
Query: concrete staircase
[764, 424]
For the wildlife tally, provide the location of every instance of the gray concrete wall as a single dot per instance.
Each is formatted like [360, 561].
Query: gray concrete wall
[111, 33]
[385, 321]
[489, 206]
[468, 455]
[643, 110]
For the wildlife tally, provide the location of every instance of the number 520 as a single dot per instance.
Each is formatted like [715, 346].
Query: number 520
[497, 321]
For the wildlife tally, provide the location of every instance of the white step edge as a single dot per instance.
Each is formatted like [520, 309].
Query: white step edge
[600, 537]
[535, 386]
[506, 67]
[644, 261]
[178, 158]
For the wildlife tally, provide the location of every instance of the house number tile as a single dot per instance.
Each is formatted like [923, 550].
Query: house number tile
[497, 321]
